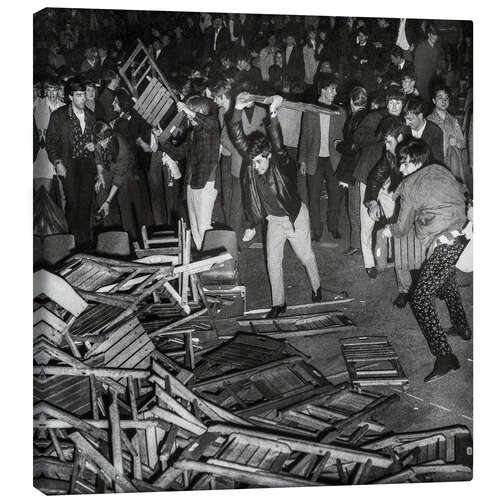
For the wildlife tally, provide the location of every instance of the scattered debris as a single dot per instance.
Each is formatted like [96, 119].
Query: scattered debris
[138, 388]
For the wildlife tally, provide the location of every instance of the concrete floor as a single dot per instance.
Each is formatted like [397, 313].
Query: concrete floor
[447, 401]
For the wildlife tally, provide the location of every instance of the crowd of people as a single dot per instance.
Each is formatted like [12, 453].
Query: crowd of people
[381, 140]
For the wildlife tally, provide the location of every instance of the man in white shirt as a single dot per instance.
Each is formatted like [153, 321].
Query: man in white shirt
[319, 159]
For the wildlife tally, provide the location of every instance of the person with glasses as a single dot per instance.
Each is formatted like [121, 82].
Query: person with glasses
[432, 201]
[270, 192]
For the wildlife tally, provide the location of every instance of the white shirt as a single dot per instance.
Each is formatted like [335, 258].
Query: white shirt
[288, 52]
[324, 122]
[402, 40]
[215, 39]
[81, 118]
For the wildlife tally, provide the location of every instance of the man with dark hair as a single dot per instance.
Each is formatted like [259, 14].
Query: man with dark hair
[369, 146]
[90, 100]
[424, 129]
[252, 119]
[111, 81]
[270, 192]
[381, 184]
[201, 151]
[319, 159]
[398, 65]
[358, 101]
[70, 149]
[433, 202]
[218, 38]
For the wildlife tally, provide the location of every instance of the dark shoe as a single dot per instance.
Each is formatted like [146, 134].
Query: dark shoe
[276, 311]
[401, 300]
[336, 235]
[442, 366]
[351, 251]
[316, 296]
[316, 238]
[460, 331]
[372, 272]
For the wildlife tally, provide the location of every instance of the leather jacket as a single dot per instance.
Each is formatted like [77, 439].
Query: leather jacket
[347, 148]
[385, 168]
[281, 174]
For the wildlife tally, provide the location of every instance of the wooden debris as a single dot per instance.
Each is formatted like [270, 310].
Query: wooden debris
[299, 326]
[372, 361]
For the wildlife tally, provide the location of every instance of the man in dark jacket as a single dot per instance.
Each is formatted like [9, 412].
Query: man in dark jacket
[270, 192]
[201, 151]
[319, 159]
[70, 149]
[370, 148]
[433, 202]
[358, 101]
[424, 129]
[294, 62]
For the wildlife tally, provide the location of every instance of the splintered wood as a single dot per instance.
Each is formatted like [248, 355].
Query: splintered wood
[136, 391]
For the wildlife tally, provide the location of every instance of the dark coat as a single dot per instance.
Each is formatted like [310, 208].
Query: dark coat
[201, 150]
[281, 173]
[294, 68]
[246, 30]
[222, 45]
[367, 144]
[433, 136]
[347, 149]
[59, 139]
[310, 139]
[387, 167]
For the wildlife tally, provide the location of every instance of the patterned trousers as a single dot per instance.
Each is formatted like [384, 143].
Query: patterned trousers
[438, 275]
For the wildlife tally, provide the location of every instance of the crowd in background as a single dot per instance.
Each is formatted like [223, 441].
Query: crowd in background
[112, 171]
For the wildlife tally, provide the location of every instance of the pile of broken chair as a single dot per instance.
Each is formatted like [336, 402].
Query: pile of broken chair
[115, 412]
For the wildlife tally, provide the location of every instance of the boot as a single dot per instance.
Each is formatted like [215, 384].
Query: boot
[401, 300]
[276, 311]
[316, 296]
[442, 366]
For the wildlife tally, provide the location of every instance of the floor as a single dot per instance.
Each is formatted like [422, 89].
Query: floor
[445, 402]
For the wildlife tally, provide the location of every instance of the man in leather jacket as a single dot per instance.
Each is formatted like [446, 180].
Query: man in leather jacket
[270, 192]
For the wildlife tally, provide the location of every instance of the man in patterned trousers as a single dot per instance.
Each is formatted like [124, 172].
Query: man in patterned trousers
[431, 199]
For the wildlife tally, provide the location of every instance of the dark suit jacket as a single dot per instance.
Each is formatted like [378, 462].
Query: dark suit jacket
[347, 148]
[294, 68]
[60, 134]
[164, 60]
[222, 45]
[394, 73]
[433, 136]
[244, 30]
[310, 140]
[367, 144]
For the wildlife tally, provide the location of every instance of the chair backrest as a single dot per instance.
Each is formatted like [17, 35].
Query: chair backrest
[221, 238]
[57, 247]
[115, 243]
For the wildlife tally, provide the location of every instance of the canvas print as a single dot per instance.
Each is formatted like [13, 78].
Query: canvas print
[252, 242]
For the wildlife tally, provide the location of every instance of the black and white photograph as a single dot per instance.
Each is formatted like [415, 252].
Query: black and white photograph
[252, 249]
